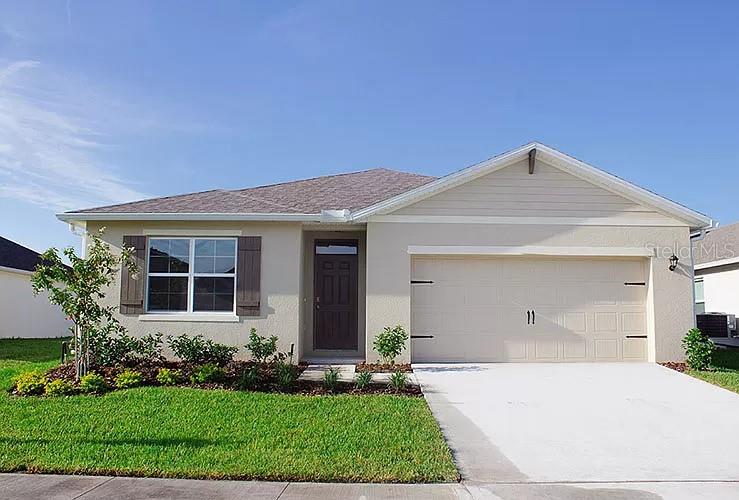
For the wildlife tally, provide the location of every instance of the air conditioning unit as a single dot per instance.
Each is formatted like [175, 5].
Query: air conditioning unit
[716, 324]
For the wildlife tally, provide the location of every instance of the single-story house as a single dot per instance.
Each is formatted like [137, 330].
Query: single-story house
[23, 314]
[716, 262]
[531, 255]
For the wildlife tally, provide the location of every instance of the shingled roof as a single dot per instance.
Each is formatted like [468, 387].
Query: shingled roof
[719, 244]
[17, 256]
[309, 196]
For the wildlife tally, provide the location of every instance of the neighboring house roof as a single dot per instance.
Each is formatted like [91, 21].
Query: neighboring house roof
[309, 196]
[15, 256]
[360, 195]
[720, 246]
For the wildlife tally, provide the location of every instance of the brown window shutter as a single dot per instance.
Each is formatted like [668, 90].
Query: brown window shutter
[132, 286]
[248, 276]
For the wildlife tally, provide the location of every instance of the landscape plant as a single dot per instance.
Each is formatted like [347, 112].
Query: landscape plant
[390, 343]
[261, 348]
[168, 376]
[249, 379]
[93, 383]
[30, 383]
[699, 349]
[331, 378]
[129, 379]
[59, 387]
[208, 373]
[198, 350]
[363, 380]
[286, 376]
[398, 381]
[79, 290]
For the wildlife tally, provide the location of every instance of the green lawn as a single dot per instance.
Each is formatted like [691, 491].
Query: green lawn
[726, 374]
[19, 355]
[178, 432]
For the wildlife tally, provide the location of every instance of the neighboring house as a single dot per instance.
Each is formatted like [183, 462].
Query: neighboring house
[529, 256]
[22, 314]
[716, 259]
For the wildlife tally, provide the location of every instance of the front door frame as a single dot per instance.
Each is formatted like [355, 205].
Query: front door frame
[354, 293]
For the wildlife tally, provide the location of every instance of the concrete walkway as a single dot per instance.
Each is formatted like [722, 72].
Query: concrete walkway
[51, 487]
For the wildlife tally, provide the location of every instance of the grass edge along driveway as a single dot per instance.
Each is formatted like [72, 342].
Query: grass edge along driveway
[194, 433]
[725, 371]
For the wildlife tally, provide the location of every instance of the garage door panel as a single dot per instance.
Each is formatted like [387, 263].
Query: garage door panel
[606, 349]
[476, 309]
[635, 349]
[575, 349]
[633, 322]
[481, 295]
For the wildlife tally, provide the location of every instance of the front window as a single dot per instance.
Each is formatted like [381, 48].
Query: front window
[191, 275]
[700, 300]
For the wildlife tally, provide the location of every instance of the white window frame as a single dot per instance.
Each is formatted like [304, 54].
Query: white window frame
[191, 275]
[695, 295]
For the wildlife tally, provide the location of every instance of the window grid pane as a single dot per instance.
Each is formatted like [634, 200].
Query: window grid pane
[170, 272]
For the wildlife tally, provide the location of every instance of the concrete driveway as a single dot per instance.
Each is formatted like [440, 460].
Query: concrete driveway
[584, 423]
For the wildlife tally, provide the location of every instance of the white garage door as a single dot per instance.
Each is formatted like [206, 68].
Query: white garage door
[528, 309]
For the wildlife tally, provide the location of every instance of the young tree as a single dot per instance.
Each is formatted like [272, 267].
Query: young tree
[79, 290]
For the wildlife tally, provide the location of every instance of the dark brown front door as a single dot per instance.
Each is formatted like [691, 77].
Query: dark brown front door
[335, 295]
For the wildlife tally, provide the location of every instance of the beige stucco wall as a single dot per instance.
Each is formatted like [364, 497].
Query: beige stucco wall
[721, 288]
[24, 315]
[388, 282]
[281, 273]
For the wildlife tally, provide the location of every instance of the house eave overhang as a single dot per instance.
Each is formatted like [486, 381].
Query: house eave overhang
[691, 218]
[72, 217]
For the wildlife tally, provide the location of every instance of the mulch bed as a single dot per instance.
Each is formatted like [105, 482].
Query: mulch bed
[674, 365]
[383, 368]
[233, 371]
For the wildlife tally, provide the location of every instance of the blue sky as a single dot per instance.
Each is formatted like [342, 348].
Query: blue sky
[102, 102]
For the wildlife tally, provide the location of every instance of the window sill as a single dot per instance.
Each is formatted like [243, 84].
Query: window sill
[195, 318]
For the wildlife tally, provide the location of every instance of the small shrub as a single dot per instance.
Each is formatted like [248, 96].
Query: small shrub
[261, 348]
[390, 343]
[363, 380]
[128, 379]
[331, 378]
[398, 381]
[286, 376]
[122, 349]
[30, 383]
[249, 379]
[92, 383]
[167, 376]
[198, 350]
[208, 373]
[699, 349]
[59, 387]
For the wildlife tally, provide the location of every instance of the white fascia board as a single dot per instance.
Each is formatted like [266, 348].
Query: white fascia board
[98, 216]
[538, 221]
[559, 251]
[716, 263]
[557, 159]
